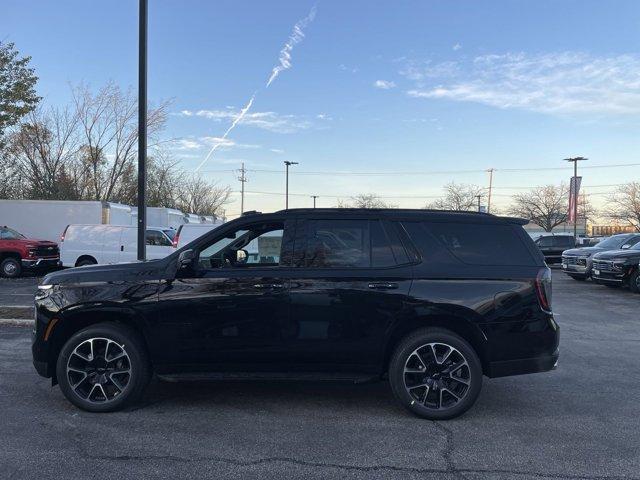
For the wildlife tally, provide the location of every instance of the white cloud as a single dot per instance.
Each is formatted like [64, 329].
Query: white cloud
[554, 83]
[384, 84]
[277, 150]
[197, 143]
[270, 121]
[456, 47]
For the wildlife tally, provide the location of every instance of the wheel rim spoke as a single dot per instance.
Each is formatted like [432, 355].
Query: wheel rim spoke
[439, 368]
[99, 370]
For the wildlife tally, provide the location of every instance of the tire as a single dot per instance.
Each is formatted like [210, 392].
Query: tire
[11, 267]
[634, 281]
[86, 261]
[106, 380]
[409, 388]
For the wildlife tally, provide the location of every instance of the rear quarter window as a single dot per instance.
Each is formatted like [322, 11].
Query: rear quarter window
[480, 244]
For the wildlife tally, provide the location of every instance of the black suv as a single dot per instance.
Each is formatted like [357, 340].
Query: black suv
[431, 299]
[616, 268]
[578, 262]
[552, 246]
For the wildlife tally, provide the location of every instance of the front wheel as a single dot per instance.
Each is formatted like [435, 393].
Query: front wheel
[103, 368]
[634, 281]
[11, 267]
[435, 374]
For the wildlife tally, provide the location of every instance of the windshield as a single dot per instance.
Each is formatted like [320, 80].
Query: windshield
[7, 233]
[613, 242]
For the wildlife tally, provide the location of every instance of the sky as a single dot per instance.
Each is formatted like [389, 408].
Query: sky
[392, 98]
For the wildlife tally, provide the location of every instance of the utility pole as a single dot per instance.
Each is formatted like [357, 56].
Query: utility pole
[243, 180]
[573, 193]
[479, 197]
[490, 188]
[142, 131]
[288, 164]
[314, 200]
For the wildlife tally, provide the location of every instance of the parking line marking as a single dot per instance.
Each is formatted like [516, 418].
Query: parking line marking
[20, 322]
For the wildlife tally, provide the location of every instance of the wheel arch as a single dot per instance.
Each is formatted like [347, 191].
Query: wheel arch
[456, 324]
[72, 321]
[85, 257]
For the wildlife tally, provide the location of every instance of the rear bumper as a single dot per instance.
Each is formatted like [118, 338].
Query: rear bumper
[523, 366]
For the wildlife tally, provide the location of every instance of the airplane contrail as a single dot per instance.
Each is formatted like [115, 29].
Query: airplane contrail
[284, 64]
[240, 116]
[296, 37]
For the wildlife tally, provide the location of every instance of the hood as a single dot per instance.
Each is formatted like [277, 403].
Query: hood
[582, 251]
[32, 242]
[119, 272]
[610, 254]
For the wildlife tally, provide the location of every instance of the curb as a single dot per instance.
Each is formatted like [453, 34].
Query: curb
[17, 322]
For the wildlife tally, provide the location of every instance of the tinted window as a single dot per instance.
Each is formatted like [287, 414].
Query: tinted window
[482, 244]
[381, 252]
[545, 242]
[631, 242]
[338, 243]
[171, 233]
[260, 245]
[9, 234]
[399, 251]
[564, 241]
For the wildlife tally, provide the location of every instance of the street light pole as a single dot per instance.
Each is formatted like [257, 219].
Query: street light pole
[288, 164]
[314, 200]
[142, 131]
[573, 193]
[478, 197]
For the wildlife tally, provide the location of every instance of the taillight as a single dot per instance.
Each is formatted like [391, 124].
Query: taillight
[175, 240]
[543, 288]
[64, 232]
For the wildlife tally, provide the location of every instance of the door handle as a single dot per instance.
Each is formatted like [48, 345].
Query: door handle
[383, 285]
[264, 286]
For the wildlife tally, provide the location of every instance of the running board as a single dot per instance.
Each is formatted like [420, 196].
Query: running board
[271, 376]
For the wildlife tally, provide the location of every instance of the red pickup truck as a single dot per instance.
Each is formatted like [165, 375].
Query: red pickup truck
[18, 253]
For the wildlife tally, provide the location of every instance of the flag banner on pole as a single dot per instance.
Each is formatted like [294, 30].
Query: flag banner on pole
[574, 190]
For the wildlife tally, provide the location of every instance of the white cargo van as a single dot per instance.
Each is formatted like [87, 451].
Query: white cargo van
[190, 231]
[98, 244]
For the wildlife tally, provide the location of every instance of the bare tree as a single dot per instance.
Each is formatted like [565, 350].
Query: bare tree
[365, 200]
[458, 197]
[624, 205]
[201, 196]
[109, 131]
[41, 152]
[545, 206]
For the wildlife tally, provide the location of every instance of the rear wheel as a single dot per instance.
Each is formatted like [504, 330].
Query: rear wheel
[83, 262]
[11, 267]
[435, 374]
[103, 368]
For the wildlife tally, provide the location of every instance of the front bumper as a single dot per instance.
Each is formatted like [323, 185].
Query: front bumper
[571, 267]
[41, 262]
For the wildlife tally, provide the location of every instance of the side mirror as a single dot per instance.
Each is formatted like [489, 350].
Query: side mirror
[242, 256]
[186, 258]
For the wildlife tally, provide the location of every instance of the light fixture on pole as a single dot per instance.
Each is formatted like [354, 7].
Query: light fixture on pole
[573, 193]
[288, 164]
[314, 200]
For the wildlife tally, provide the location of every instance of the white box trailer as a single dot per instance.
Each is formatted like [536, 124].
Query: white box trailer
[160, 217]
[47, 219]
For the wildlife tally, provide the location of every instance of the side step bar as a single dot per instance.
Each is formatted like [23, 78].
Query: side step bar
[355, 378]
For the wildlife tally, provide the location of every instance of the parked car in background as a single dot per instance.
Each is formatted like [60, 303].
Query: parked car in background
[187, 233]
[577, 262]
[18, 253]
[432, 300]
[552, 246]
[82, 245]
[616, 268]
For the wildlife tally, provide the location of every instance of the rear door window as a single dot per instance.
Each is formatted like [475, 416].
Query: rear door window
[337, 243]
[480, 244]
[562, 241]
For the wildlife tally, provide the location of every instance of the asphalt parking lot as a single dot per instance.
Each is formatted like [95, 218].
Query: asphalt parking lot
[580, 421]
